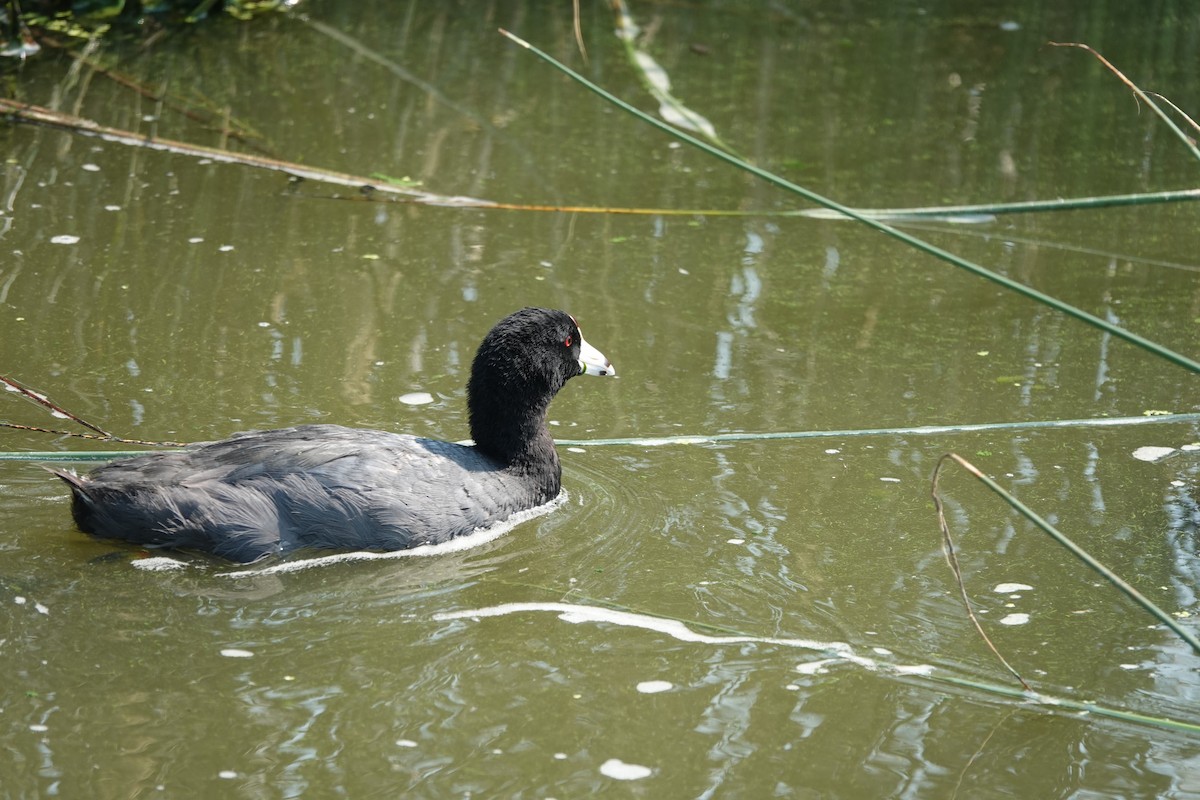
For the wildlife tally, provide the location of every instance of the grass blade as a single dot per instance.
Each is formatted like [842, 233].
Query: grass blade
[958, 261]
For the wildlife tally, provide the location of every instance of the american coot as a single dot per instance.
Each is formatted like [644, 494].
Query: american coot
[325, 486]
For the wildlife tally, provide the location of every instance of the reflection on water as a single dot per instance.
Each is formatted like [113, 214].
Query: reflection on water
[788, 599]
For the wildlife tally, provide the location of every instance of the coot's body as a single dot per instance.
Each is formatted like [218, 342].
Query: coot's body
[325, 486]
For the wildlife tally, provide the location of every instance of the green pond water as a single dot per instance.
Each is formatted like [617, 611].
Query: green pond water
[728, 619]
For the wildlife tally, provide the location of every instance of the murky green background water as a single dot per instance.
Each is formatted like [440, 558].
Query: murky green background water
[200, 299]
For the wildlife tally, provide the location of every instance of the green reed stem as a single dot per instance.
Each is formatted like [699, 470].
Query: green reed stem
[1075, 550]
[1066, 704]
[656, 441]
[808, 194]
[918, 430]
[1061, 204]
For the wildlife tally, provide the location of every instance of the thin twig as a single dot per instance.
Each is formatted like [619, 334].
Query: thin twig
[22, 112]
[1133, 87]
[1176, 109]
[956, 214]
[978, 752]
[56, 410]
[93, 437]
[46, 402]
[579, 33]
[952, 560]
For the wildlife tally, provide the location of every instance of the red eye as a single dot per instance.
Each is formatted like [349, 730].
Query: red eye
[567, 341]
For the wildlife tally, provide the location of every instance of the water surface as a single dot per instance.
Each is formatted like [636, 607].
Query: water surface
[792, 592]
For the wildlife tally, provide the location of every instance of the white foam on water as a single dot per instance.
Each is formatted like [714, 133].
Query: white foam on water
[836, 652]
[416, 398]
[159, 564]
[1150, 453]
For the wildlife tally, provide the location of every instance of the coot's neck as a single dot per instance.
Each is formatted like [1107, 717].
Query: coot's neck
[510, 426]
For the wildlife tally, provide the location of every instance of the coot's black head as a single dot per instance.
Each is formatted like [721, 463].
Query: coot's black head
[520, 366]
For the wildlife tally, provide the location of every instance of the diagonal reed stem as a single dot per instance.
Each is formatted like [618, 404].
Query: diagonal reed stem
[958, 261]
[1075, 550]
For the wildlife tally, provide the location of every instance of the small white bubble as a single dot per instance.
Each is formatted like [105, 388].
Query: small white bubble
[38, 728]
[617, 769]
[233, 652]
[112, 208]
[225, 248]
[64, 238]
[1015, 619]
[405, 743]
[90, 167]
[654, 687]
[227, 774]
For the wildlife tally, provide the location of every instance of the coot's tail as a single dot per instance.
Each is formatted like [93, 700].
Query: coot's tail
[82, 503]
